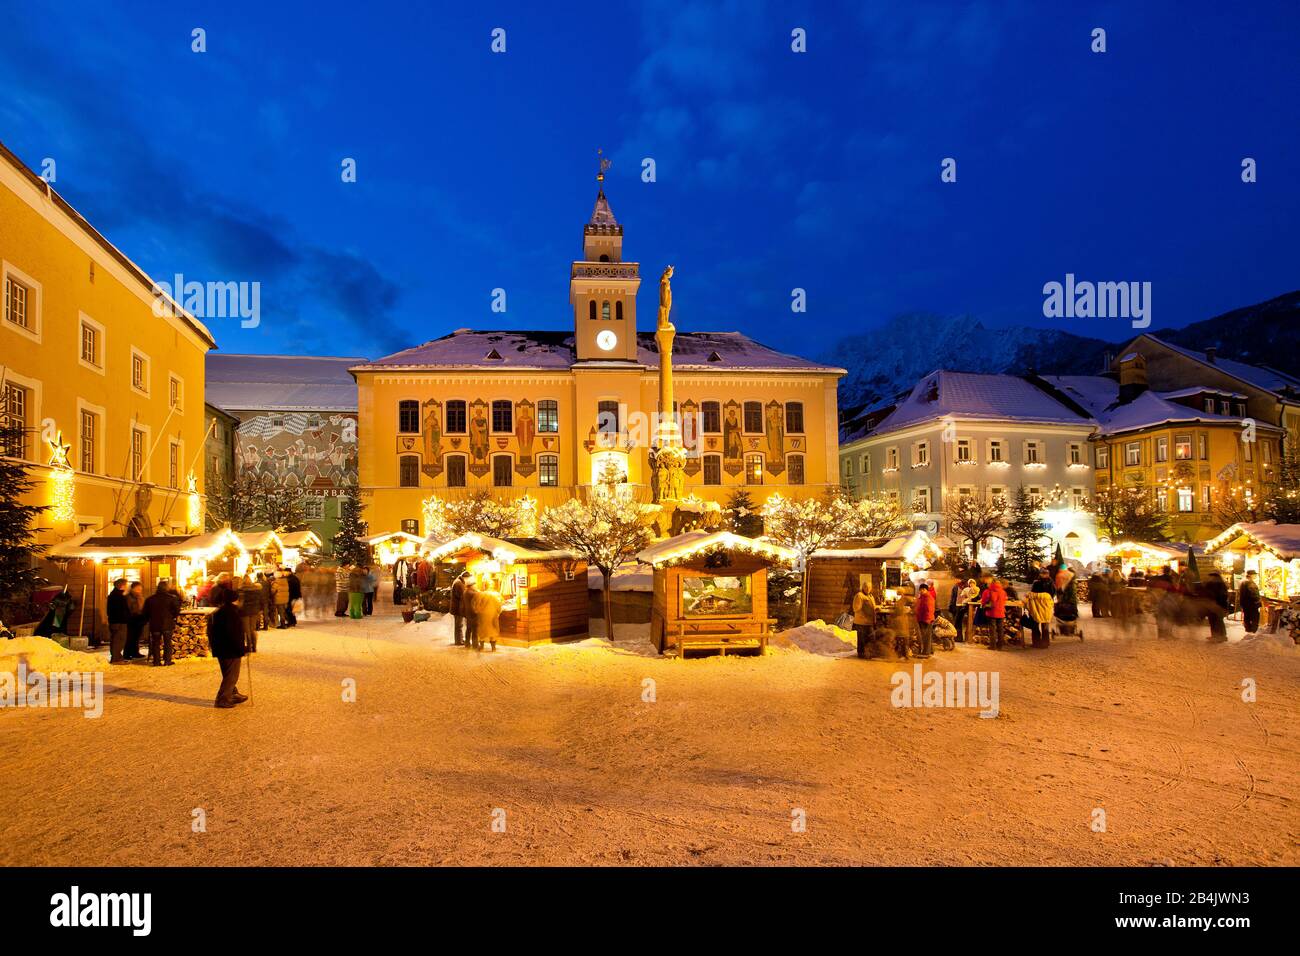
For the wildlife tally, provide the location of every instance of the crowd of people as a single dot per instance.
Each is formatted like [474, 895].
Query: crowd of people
[1177, 600]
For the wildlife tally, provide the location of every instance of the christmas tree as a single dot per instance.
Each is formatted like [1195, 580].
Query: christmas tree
[17, 549]
[348, 546]
[742, 514]
[1024, 536]
[1282, 498]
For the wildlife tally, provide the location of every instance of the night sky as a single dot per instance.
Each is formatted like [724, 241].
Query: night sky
[775, 170]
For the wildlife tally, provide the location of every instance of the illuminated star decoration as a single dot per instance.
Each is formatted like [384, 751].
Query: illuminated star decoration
[195, 503]
[62, 481]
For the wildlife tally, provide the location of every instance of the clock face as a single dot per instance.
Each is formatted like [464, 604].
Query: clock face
[607, 339]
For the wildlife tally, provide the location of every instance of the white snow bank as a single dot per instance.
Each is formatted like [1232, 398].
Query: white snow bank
[631, 576]
[816, 637]
[46, 657]
[1273, 639]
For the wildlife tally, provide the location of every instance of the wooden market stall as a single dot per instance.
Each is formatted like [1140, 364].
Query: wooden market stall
[265, 549]
[390, 546]
[1269, 549]
[835, 574]
[710, 591]
[543, 589]
[299, 545]
[92, 565]
[1148, 557]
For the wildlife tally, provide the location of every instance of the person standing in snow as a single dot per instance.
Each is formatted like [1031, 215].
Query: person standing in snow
[226, 641]
[1249, 602]
[485, 611]
[925, 618]
[458, 609]
[119, 614]
[342, 579]
[161, 609]
[1216, 606]
[295, 595]
[136, 622]
[369, 584]
[467, 608]
[864, 616]
[280, 595]
[252, 607]
[994, 603]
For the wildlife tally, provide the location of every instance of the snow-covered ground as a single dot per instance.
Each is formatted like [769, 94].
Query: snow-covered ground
[601, 752]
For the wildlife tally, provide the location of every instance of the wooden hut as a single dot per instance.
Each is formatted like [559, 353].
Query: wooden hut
[710, 591]
[93, 563]
[298, 544]
[1269, 549]
[835, 574]
[388, 547]
[1148, 557]
[543, 589]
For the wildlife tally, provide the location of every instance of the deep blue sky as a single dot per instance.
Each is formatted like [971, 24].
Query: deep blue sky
[775, 170]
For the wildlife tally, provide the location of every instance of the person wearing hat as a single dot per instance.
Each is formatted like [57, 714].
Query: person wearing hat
[1249, 602]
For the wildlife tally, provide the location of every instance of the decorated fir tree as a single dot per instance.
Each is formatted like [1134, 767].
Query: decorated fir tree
[17, 547]
[1281, 501]
[1024, 536]
[347, 543]
[742, 515]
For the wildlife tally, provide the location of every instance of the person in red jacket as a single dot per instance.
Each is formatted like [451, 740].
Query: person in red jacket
[925, 617]
[994, 602]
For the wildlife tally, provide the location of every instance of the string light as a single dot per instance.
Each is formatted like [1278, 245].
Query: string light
[63, 482]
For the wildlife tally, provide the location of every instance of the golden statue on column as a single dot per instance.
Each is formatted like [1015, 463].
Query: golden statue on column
[667, 456]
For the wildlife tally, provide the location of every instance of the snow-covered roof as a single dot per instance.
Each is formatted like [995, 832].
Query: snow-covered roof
[1162, 549]
[88, 545]
[691, 544]
[503, 549]
[375, 539]
[301, 539]
[971, 395]
[1260, 376]
[318, 383]
[1099, 395]
[902, 548]
[1283, 540]
[1203, 390]
[484, 349]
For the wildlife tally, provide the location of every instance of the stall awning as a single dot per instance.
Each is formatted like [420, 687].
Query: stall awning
[503, 549]
[375, 539]
[1156, 550]
[200, 546]
[905, 547]
[693, 544]
[302, 540]
[1280, 540]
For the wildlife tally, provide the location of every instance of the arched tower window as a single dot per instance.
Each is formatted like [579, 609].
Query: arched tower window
[618, 311]
[591, 310]
[604, 310]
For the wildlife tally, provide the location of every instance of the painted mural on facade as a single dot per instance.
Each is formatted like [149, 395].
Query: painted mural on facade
[313, 451]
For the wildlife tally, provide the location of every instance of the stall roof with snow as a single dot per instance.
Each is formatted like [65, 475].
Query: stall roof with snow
[1280, 540]
[906, 547]
[693, 544]
[515, 550]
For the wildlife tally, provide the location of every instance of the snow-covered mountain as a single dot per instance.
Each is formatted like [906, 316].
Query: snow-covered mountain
[889, 360]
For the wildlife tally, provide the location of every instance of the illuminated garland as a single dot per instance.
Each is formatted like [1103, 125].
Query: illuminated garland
[1238, 531]
[195, 512]
[63, 482]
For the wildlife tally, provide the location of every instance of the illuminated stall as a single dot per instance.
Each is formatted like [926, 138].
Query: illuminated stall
[543, 589]
[1271, 550]
[710, 591]
[94, 563]
[300, 545]
[1144, 556]
[265, 549]
[835, 574]
[391, 546]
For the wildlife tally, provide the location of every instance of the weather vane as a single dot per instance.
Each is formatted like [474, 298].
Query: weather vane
[604, 165]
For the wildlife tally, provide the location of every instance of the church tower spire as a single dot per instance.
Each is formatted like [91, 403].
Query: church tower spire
[602, 287]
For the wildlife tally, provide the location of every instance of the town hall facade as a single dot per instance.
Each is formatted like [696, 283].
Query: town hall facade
[548, 412]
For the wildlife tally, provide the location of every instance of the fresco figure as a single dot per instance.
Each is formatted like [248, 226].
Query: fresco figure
[433, 432]
[478, 432]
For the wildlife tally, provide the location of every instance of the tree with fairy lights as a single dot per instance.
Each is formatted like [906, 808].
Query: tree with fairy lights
[1024, 536]
[974, 518]
[606, 527]
[347, 543]
[742, 514]
[1129, 513]
[1281, 501]
[18, 549]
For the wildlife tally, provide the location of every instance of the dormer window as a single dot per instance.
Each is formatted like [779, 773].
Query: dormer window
[493, 356]
[715, 357]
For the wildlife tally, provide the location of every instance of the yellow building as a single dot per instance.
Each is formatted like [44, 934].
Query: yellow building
[545, 412]
[84, 355]
[1189, 458]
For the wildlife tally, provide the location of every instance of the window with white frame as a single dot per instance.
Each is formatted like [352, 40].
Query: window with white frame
[848, 467]
[1078, 498]
[1035, 494]
[313, 508]
[1183, 447]
[91, 345]
[1033, 451]
[1076, 453]
[1205, 497]
[920, 454]
[965, 491]
[1162, 448]
[1133, 453]
[866, 463]
[18, 411]
[137, 454]
[139, 371]
[921, 500]
[1248, 449]
[892, 495]
[996, 452]
[1186, 499]
[963, 450]
[1103, 456]
[891, 458]
[173, 464]
[998, 491]
[89, 441]
[20, 304]
[175, 392]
